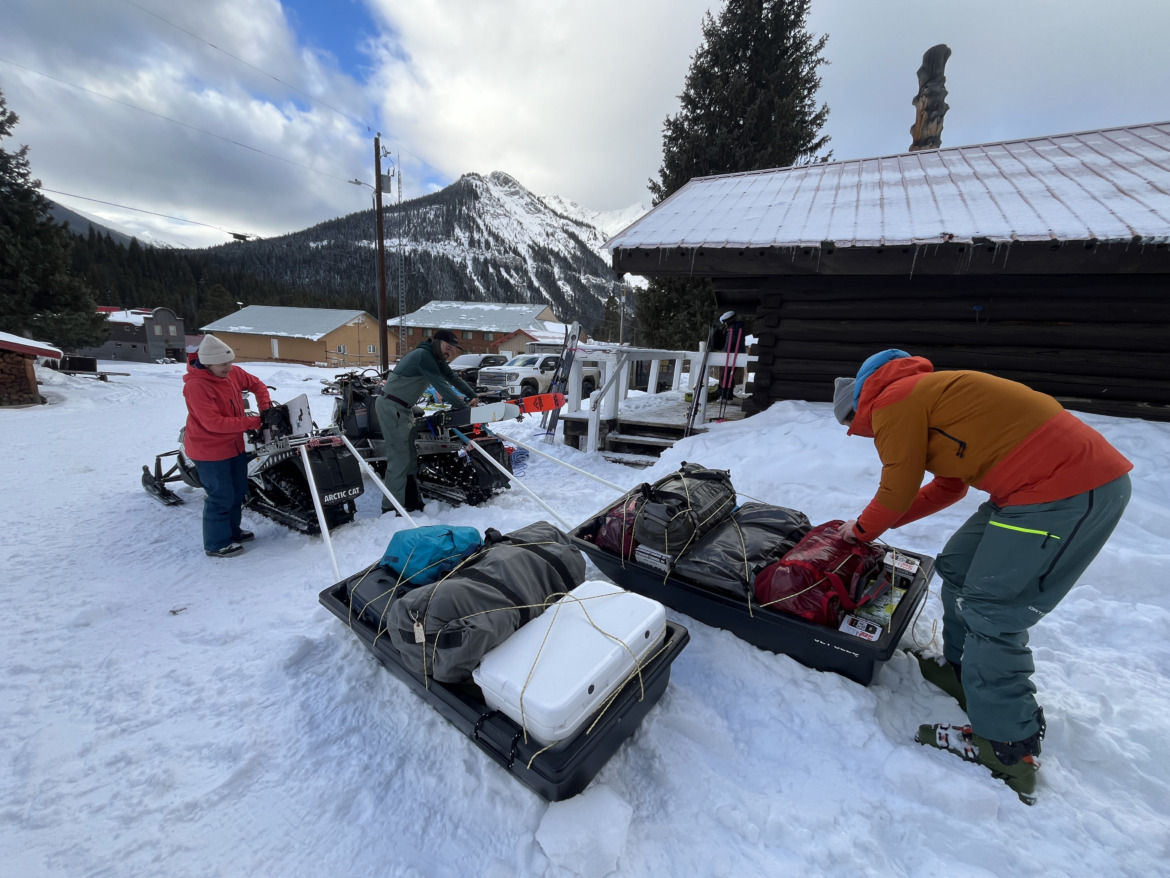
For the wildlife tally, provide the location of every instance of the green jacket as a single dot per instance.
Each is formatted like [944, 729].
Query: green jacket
[425, 367]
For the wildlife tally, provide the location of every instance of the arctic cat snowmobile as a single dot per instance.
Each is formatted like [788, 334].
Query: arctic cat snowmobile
[447, 469]
[278, 486]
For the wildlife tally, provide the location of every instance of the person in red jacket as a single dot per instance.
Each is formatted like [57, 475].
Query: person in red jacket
[1058, 489]
[214, 441]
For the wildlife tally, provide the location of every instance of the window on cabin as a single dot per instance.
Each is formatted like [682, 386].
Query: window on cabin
[157, 329]
[489, 336]
[468, 334]
[371, 349]
[341, 349]
[172, 329]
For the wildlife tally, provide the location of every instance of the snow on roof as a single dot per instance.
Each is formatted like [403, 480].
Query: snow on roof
[483, 316]
[21, 345]
[271, 320]
[136, 316]
[1108, 185]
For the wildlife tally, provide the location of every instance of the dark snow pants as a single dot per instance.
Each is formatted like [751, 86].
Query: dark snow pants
[400, 431]
[226, 484]
[1002, 571]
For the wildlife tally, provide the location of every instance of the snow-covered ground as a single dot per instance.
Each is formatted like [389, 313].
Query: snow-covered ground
[165, 713]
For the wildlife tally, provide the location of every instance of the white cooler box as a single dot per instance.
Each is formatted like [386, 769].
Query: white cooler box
[552, 685]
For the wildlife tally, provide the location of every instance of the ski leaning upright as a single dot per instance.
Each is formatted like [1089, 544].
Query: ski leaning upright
[698, 381]
[560, 380]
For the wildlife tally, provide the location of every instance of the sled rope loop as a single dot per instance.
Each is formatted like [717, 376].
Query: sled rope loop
[688, 511]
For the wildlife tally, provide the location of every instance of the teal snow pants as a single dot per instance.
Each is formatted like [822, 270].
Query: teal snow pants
[1002, 571]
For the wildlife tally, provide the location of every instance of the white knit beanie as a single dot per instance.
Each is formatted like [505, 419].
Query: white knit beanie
[212, 351]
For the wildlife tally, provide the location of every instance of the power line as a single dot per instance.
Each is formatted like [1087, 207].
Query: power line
[239, 236]
[253, 66]
[175, 121]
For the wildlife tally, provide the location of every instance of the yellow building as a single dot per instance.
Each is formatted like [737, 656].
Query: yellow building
[313, 336]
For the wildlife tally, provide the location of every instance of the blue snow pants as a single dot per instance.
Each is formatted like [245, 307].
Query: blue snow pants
[1002, 572]
[226, 484]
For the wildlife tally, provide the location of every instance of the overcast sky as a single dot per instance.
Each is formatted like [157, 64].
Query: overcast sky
[141, 102]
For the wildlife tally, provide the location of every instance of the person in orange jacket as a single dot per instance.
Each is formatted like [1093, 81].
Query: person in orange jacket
[1058, 489]
[214, 441]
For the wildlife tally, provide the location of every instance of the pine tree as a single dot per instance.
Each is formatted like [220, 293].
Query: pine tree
[749, 103]
[38, 295]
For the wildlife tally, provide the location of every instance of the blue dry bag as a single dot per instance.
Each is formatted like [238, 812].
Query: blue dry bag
[424, 555]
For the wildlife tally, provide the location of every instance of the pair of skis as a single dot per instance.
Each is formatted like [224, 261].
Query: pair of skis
[560, 380]
[699, 379]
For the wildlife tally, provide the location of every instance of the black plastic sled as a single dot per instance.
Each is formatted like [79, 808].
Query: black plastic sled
[448, 469]
[815, 646]
[555, 773]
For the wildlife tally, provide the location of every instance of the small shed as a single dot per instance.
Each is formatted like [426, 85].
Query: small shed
[328, 336]
[18, 380]
[1045, 260]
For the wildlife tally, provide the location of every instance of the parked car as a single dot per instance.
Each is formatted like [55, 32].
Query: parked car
[530, 374]
[467, 366]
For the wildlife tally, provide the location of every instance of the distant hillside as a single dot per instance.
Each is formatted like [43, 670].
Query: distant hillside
[482, 239]
[80, 224]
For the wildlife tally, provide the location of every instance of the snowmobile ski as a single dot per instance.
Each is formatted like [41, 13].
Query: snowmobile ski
[560, 379]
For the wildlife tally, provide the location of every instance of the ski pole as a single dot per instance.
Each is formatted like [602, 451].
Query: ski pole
[511, 478]
[320, 511]
[562, 463]
[377, 481]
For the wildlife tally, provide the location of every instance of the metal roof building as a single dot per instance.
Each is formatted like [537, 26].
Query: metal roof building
[1044, 260]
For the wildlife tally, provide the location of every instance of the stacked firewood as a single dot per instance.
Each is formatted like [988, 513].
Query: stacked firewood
[18, 381]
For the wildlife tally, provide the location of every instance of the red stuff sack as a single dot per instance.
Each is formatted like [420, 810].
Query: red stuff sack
[821, 578]
[616, 531]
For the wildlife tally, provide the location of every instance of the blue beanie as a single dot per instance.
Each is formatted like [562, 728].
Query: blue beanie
[872, 365]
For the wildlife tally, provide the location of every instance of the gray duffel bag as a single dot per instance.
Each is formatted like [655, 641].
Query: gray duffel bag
[729, 557]
[444, 629]
[681, 508]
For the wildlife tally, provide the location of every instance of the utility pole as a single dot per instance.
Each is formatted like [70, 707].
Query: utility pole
[401, 264]
[383, 340]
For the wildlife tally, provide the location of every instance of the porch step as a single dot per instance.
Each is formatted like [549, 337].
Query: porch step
[664, 441]
[638, 460]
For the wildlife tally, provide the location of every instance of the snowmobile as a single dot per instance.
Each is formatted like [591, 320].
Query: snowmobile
[278, 486]
[448, 470]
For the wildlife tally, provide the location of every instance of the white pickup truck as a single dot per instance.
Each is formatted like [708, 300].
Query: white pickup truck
[528, 375]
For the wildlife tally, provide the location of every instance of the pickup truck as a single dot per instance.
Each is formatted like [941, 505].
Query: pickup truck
[529, 374]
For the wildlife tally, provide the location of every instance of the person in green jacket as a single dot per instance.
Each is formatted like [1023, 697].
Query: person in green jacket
[425, 366]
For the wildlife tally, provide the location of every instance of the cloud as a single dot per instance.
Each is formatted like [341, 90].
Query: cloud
[567, 97]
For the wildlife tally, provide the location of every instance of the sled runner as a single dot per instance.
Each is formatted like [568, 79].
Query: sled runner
[557, 753]
[712, 581]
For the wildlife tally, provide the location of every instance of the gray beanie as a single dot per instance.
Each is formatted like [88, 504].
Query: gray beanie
[843, 399]
[212, 351]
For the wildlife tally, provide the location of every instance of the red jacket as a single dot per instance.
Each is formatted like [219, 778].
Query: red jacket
[215, 412]
[971, 429]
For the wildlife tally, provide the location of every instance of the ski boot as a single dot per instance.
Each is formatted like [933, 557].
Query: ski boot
[1013, 762]
[947, 676]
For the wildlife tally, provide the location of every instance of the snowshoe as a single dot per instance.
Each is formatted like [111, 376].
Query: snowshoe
[969, 747]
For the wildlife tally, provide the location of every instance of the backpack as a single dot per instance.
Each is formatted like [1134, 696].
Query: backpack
[422, 555]
[822, 578]
[680, 509]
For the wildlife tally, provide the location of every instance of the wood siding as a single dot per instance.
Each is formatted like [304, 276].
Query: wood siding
[1098, 343]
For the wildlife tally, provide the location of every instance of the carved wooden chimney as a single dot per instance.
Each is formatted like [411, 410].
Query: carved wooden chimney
[930, 102]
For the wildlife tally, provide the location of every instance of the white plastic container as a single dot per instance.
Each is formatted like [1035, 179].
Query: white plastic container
[553, 674]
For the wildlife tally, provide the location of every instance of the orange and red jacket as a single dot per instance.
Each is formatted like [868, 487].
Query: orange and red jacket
[215, 411]
[971, 429]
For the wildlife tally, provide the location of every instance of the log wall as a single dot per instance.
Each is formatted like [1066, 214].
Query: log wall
[18, 381]
[1097, 343]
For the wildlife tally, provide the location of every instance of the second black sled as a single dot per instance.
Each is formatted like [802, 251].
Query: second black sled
[815, 646]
